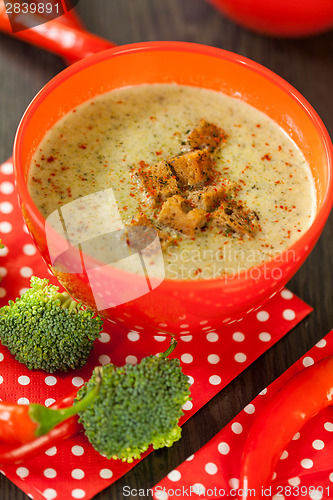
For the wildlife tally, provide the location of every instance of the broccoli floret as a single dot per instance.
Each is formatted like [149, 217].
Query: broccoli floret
[137, 406]
[48, 330]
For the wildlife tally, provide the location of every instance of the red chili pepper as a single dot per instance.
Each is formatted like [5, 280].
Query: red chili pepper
[26, 430]
[299, 400]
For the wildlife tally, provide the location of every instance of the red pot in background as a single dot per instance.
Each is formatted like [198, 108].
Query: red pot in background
[284, 18]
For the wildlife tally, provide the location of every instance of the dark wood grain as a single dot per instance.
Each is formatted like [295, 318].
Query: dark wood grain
[307, 64]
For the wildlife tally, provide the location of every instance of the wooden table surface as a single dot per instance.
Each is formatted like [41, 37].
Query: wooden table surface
[305, 63]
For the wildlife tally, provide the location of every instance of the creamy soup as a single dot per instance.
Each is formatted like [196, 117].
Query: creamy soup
[99, 145]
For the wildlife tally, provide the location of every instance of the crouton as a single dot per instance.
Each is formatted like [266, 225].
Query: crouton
[206, 136]
[143, 236]
[236, 218]
[157, 180]
[192, 168]
[176, 214]
[209, 197]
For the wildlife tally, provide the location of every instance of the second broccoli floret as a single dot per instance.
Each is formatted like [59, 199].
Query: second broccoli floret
[138, 405]
[48, 330]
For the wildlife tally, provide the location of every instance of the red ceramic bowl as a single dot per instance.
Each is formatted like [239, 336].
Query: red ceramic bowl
[285, 18]
[174, 303]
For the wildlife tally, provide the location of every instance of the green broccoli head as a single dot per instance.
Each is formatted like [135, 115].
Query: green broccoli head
[48, 330]
[137, 406]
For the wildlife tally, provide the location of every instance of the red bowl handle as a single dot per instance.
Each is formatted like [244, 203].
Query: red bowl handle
[63, 36]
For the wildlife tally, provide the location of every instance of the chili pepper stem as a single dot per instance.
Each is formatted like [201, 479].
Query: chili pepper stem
[48, 418]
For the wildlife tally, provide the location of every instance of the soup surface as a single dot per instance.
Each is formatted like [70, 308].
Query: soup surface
[101, 144]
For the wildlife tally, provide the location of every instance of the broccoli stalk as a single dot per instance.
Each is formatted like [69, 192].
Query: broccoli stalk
[137, 406]
[48, 330]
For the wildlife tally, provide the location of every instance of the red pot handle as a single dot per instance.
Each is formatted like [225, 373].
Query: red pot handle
[63, 36]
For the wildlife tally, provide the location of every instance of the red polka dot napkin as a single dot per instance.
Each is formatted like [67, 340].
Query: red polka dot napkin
[73, 470]
[305, 469]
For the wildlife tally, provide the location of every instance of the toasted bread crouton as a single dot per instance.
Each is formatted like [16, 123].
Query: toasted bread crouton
[192, 168]
[206, 136]
[209, 197]
[234, 217]
[143, 234]
[158, 180]
[174, 214]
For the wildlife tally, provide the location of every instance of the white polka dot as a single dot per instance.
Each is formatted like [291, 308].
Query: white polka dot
[186, 358]
[174, 475]
[77, 450]
[23, 380]
[238, 336]
[162, 495]
[23, 290]
[328, 426]
[286, 294]
[3, 292]
[22, 472]
[237, 428]
[187, 406]
[1, 356]
[318, 444]
[133, 336]
[51, 451]
[49, 401]
[160, 338]
[184, 326]
[316, 494]
[198, 489]
[26, 272]
[6, 207]
[106, 473]
[249, 409]
[29, 249]
[1, 379]
[77, 381]
[289, 314]
[284, 455]
[240, 357]
[223, 448]
[294, 481]
[163, 325]
[322, 343]
[78, 493]
[307, 361]
[4, 251]
[23, 401]
[234, 483]
[50, 473]
[215, 380]
[186, 338]
[104, 359]
[265, 336]
[5, 227]
[204, 322]
[6, 187]
[262, 316]
[7, 168]
[263, 392]
[190, 458]
[78, 474]
[211, 468]
[213, 359]
[50, 380]
[104, 338]
[50, 493]
[330, 477]
[306, 463]
[297, 436]
[212, 337]
[190, 379]
[132, 360]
